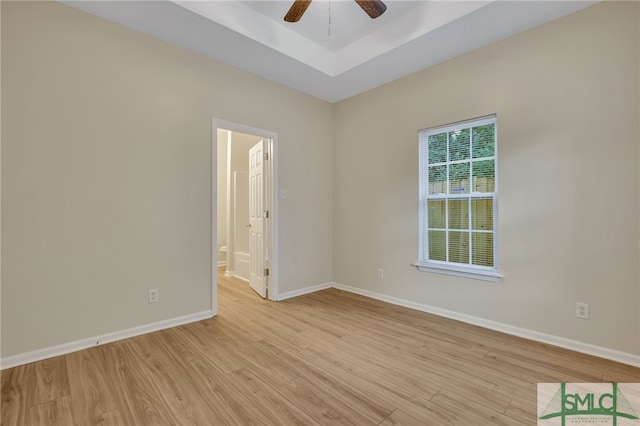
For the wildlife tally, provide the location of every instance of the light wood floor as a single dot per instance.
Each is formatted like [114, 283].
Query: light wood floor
[325, 358]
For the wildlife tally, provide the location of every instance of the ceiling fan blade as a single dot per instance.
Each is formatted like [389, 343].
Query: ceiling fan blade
[297, 10]
[373, 8]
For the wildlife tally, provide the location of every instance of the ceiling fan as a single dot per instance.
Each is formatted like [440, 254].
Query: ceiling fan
[373, 8]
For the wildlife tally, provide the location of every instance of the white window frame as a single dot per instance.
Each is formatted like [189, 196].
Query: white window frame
[425, 264]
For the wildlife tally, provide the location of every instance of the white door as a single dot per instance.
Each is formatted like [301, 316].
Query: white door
[257, 278]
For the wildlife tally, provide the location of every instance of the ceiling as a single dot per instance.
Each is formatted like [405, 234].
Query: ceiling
[335, 51]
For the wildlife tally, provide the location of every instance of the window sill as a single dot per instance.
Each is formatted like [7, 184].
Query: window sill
[460, 271]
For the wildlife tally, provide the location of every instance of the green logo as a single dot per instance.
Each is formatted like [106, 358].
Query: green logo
[582, 401]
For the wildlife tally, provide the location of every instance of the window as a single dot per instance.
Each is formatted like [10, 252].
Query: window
[458, 199]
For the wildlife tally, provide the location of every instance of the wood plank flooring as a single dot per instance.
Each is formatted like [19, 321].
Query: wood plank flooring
[330, 358]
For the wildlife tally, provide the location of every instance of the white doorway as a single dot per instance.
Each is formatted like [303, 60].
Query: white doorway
[234, 230]
[231, 232]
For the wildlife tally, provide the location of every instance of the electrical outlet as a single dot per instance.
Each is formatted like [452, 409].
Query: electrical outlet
[582, 310]
[154, 295]
[380, 274]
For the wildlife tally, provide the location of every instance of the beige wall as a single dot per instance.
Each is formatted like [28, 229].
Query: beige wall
[566, 97]
[106, 175]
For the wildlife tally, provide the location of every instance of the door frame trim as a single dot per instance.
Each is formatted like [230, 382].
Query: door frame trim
[270, 197]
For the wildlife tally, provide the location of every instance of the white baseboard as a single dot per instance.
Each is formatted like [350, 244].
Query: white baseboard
[40, 354]
[586, 348]
[306, 290]
[65, 348]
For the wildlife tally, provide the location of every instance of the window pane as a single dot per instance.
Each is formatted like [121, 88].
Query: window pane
[459, 178]
[484, 173]
[437, 180]
[458, 247]
[483, 141]
[438, 148]
[437, 244]
[482, 248]
[459, 214]
[459, 145]
[436, 214]
[482, 214]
